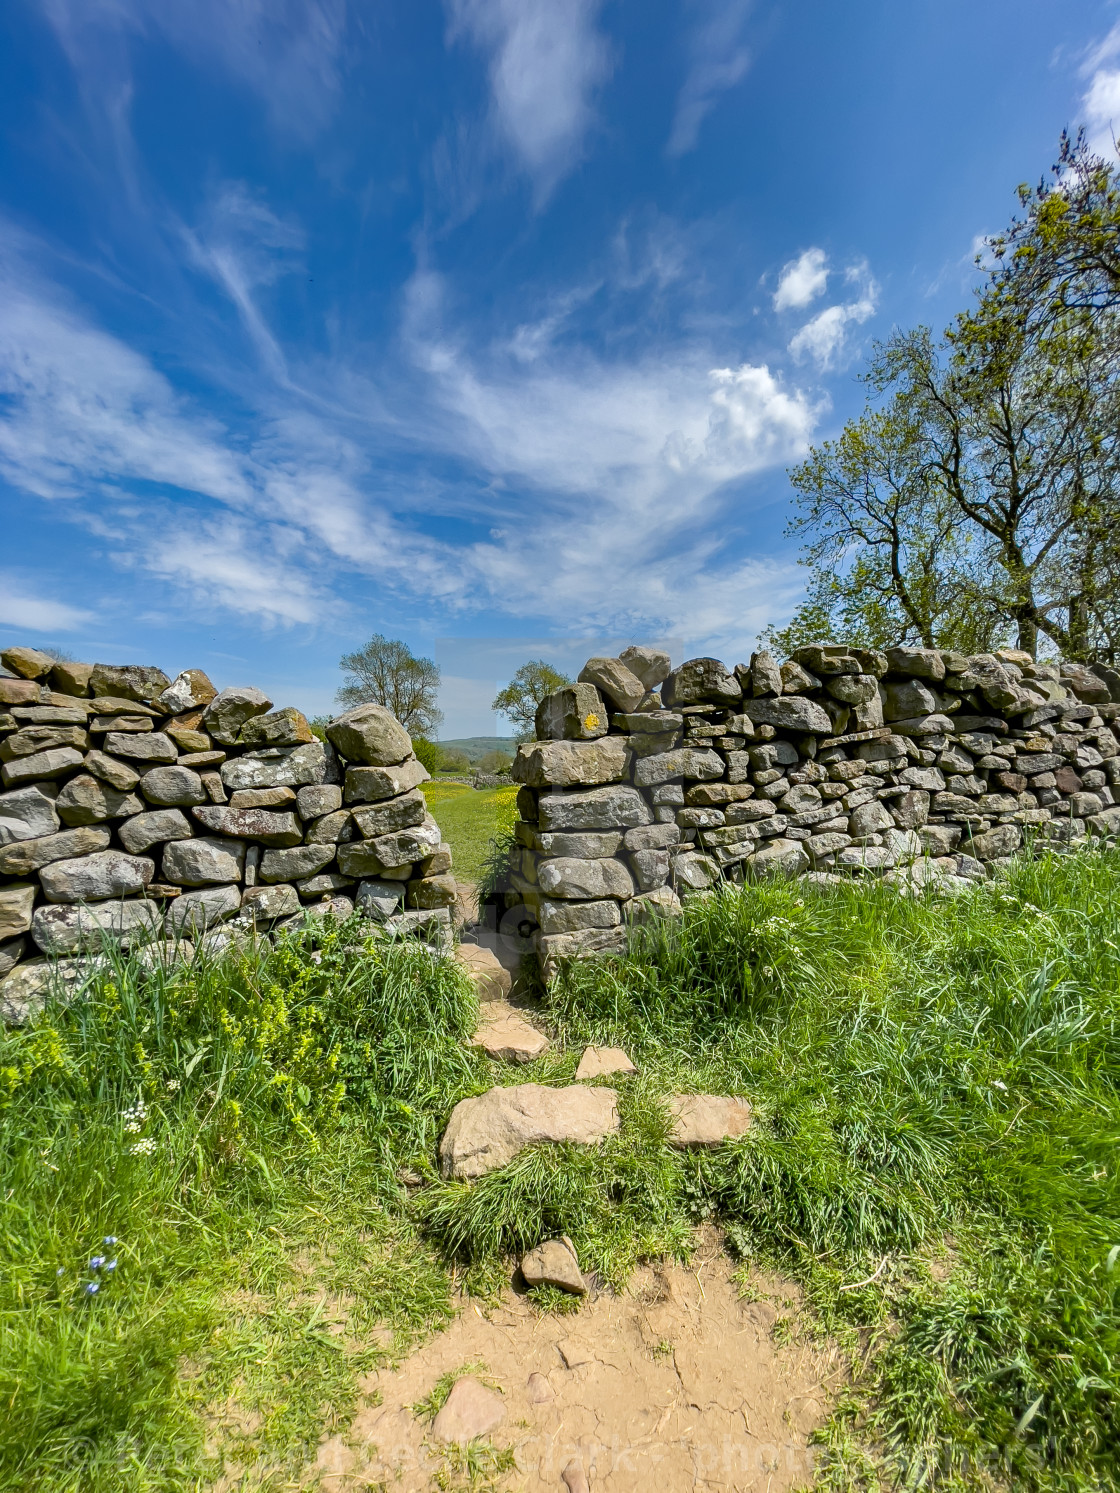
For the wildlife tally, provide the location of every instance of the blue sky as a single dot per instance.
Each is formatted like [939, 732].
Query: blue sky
[489, 324]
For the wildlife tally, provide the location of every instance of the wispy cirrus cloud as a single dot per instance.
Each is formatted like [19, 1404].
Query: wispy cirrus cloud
[824, 339]
[717, 61]
[546, 61]
[22, 605]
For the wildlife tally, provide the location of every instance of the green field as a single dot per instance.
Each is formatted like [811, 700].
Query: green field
[936, 1092]
[470, 818]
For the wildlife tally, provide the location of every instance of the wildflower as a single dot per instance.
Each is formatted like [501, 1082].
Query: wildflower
[109, 1240]
[144, 1147]
[97, 1262]
[60, 1272]
[110, 1265]
[92, 1288]
[172, 1085]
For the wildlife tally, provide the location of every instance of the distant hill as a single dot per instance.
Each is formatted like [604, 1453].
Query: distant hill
[477, 746]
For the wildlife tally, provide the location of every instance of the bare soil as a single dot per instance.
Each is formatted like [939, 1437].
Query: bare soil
[686, 1379]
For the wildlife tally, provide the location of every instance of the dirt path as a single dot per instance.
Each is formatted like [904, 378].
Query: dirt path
[677, 1384]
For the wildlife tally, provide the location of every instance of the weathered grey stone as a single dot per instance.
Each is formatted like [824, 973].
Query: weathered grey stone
[574, 713]
[359, 859]
[332, 829]
[586, 844]
[287, 727]
[228, 711]
[762, 676]
[1001, 840]
[907, 698]
[929, 778]
[281, 767]
[266, 798]
[56, 763]
[25, 857]
[190, 742]
[27, 814]
[85, 927]
[568, 764]
[11, 952]
[32, 739]
[203, 862]
[656, 723]
[622, 688]
[16, 902]
[800, 798]
[778, 857]
[911, 810]
[27, 663]
[682, 762]
[71, 678]
[391, 814]
[371, 735]
[829, 659]
[940, 839]
[190, 690]
[196, 911]
[588, 943]
[853, 689]
[615, 807]
[574, 917]
[650, 665]
[904, 844]
[372, 784]
[789, 713]
[154, 828]
[702, 681]
[380, 899]
[554, 1263]
[705, 1121]
[651, 868]
[868, 819]
[128, 682]
[570, 878]
[153, 747]
[18, 691]
[263, 903]
[97, 877]
[171, 786]
[117, 774]
[695, 872]
[651, 837]
[86, 801]
[316, 800]
[1085, 684]
[406, 845]
[866, 858]
[266, 826]
[470, 1410]
[432, 891]
[488, 1131]
[129, 724]
[325, 883]
[300, 860]
[826, 844]
[920, 663]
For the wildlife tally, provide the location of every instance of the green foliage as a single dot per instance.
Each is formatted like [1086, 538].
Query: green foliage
[428, 753]
[386, 672]
[471, 820]
[519, 700]
[319, 724]
[494, 762]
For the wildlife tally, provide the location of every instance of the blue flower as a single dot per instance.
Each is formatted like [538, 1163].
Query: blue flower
[92, 1288]
[109, 1240]
[97, 1262]
[110, 1265]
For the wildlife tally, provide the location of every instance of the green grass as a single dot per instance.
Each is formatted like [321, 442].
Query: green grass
[470, 819]
[934, 1159]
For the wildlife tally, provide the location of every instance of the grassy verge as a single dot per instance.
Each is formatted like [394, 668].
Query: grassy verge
[470, 819]
[933, 1157]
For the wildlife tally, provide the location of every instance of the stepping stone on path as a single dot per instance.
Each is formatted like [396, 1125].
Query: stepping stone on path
[704, 1121]
[504, 1033]
[489, 1130]
[470, 1410]
[491, 981]
[575, 1479]
[554, 1263]
[597, 1062]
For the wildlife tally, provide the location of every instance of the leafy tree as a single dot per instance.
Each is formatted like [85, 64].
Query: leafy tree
[428, 753]
[977, 499]
[387, 672]
[494, 762]
[519, 700]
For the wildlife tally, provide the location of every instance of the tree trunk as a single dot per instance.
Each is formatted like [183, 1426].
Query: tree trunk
[1028, 636]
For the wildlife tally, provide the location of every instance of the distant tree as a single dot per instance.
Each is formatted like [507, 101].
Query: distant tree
[319, 724]
[428, 753]
[519, 700]
[387, 672]
[454, 759]
[494, 762]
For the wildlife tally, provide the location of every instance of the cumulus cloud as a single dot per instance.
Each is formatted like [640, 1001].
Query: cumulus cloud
[824, 339]
[718, 61]
[546, 60]
[1101, 100]
[802, 280]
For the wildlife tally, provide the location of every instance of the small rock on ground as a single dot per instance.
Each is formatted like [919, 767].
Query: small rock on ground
[539, 1389]
[491, 981]
[470, 1410]
[504, 1033]
[575, 1479]
[597, 1062]
[489, 1130]
[554, 1263]
[703, 1121]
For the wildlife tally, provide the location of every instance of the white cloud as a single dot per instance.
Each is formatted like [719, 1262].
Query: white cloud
[1101, 100]
[823, 340]
[18, 608]
[289, 54]
[802, 280]
[718, 62]
[546, 60]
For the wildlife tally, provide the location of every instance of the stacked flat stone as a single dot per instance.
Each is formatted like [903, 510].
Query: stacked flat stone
[141, 808]
[647, 783]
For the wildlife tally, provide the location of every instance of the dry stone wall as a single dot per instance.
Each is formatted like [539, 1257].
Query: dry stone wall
[144, 809]
[647, 782]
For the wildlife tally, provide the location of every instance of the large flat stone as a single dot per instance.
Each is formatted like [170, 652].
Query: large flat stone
[491, 980]
[153, 746]
[27, 663]
[370, 735]
[27, 814]
[504, 1033]
[173, 787]
[470, 1410]
[203, 862]
[141, 682]
[682, 762]
[365, 785]
[488, 1131]
[228, 711]
[570, 764]
[704, 1121]
[57, 763]
[277, 829]
[117, 774]
[281, 767]
[263, 903]
[300, 860]
[154, 828]
[31, 739]
[85, 800]
[26, 857]
[599, 808]
[790, 713]
[575, 917]
[97, 877]
[71, 928]
[281, 728]
[391, 814]
[570, 878]
[601, 1062]
[407, 846]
